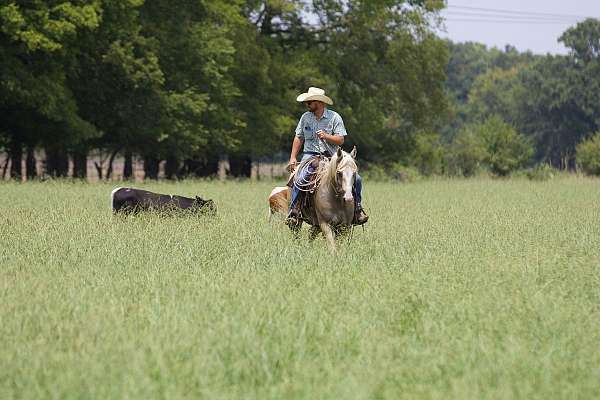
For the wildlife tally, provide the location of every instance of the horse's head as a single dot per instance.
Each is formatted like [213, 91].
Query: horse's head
[343, 173]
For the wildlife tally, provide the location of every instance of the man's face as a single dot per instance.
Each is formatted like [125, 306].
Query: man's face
[313, 105]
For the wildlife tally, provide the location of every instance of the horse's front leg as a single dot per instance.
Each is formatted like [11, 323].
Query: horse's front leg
[343, 231]
[328, 232]
[296, 230]
[314, 232]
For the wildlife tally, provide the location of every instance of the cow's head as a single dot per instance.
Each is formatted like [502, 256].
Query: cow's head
[205, 206]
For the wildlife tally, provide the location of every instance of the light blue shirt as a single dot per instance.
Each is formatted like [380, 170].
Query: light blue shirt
[307, 128]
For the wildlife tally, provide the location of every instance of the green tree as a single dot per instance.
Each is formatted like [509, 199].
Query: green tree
[428, 154]
[583, 40]
[35, 42]
[389, 68]
[496, 92]
[588, 155]
[194, 43]
[477, 73]
[272, 62]
[549, 112]
[507, 150]
[466, 153]
[380, 61]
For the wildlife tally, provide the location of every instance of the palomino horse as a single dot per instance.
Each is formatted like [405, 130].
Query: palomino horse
[331, 208]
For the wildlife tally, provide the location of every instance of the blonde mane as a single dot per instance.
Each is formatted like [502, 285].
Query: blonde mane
[334, 166]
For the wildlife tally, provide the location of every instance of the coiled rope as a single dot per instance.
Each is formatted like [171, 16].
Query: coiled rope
[313, 180]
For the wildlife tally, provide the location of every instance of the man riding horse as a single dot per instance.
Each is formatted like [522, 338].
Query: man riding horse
[320, 132]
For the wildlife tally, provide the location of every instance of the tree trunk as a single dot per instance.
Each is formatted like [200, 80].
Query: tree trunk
[30, 169]
[151, 167]
[201, 168]
[128, 166]
[240, 166]
[5, 166]
[57, 162]
[16, 156]
[110, 164]
[80, 164]
[171, 167]
[98, 169]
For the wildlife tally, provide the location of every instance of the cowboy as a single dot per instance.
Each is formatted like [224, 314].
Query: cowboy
[320, 132]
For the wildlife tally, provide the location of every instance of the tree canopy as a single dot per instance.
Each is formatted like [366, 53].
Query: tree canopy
[189, 83]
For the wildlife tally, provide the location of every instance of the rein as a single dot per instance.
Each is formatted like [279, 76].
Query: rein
[337, 188]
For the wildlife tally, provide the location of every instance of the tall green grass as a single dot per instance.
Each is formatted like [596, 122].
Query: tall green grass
[466, 289]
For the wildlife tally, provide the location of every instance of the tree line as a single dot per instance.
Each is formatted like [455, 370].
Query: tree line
[188, 83]
[519, 109]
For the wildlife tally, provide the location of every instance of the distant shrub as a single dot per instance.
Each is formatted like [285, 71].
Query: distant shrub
[390, 172]
[428, 154]
[375, 172]
[542, 172]
[403, 173]
[507, 150]
[466, 153]
[588, 155]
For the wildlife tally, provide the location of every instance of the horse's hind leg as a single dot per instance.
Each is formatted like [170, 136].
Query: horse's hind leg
[314, 232]
[328, 235]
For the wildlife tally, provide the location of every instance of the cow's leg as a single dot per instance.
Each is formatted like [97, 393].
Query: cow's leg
[328, 232]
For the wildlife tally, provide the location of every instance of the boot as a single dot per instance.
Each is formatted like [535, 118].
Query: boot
[293, 218]
[360, 216]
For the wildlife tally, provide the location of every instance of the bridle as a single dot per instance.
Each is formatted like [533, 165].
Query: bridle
[336, 186]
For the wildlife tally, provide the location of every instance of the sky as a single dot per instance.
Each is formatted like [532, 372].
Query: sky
[532, 25]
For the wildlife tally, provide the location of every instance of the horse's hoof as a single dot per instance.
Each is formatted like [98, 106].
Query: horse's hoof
[292, 222]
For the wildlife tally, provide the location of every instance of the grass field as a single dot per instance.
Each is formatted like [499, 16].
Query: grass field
[457, 289]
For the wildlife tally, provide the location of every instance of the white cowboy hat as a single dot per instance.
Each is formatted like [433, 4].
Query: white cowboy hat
[315, 93]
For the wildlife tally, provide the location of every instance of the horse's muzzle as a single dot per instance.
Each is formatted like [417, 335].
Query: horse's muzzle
[349, 198]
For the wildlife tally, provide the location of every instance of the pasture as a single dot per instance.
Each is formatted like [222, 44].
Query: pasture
[465, 289]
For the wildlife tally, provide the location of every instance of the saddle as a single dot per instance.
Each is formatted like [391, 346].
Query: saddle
[311, 184]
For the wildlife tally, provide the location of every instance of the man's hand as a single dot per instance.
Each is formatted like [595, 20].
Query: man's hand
[292, 165]
[335, 139]
[322, 134]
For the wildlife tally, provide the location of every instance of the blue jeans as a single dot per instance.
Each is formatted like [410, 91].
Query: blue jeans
[305, 174]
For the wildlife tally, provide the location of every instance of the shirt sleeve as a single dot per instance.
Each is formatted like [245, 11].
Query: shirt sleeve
[299, 131]
[338, 127]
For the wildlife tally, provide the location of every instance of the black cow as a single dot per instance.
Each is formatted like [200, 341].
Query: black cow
[131, 200]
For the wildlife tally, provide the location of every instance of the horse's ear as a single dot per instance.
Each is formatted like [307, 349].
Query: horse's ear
[339, 153]
[353, 152]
